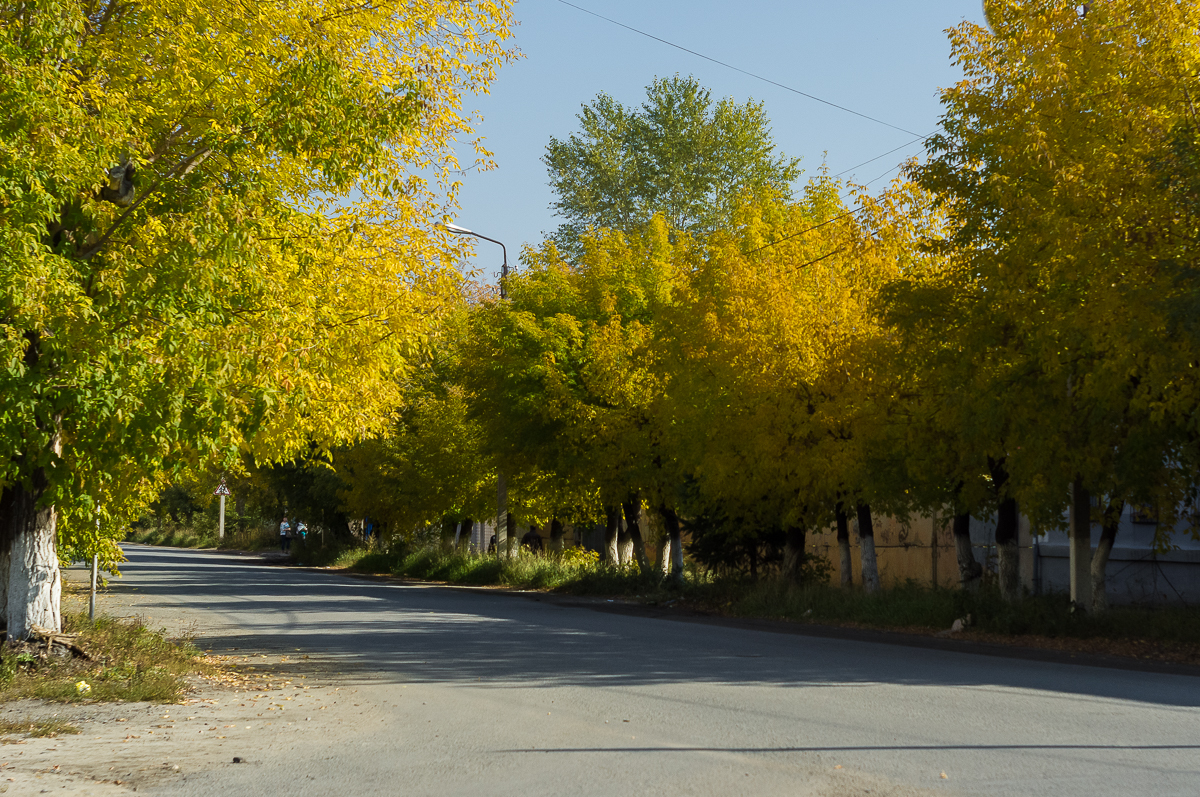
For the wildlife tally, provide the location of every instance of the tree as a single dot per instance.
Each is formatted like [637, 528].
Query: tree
[209, 238]
[1072, 231]
[560, 376]
[679, 155]
[430, 464]
[777, 385]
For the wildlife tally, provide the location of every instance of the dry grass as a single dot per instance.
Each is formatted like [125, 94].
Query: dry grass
[34, 728]
[128, 661]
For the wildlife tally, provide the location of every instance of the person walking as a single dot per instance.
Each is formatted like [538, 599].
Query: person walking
[285, 536]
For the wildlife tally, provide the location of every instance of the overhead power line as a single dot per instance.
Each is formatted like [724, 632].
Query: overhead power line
[838, 217]
[806, 229]
[884, 155]
[739, 69]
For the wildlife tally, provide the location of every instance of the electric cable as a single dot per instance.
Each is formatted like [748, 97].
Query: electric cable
[823, 223]
[884, 155]
[739, 69]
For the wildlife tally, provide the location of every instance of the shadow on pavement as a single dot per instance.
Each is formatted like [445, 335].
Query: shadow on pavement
[413, 632]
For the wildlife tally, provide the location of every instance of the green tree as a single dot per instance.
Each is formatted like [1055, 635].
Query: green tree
[680, 155]
[210, 241]
[559, 374]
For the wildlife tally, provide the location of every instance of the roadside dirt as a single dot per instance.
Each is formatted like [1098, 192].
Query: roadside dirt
[226, 720]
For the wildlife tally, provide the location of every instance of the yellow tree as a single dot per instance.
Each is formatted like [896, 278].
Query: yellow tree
[777, 389]
[1063, 165]
[213, 236]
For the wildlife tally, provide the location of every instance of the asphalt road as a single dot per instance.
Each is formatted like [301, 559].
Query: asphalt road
[470, 692]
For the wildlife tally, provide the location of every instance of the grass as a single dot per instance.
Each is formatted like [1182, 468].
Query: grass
[171, 536]
[129, 662]
[1162, 632]
[576, 572]
[35, 728]
[913, 606]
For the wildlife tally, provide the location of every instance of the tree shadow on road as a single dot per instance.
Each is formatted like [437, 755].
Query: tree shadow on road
[415, 632]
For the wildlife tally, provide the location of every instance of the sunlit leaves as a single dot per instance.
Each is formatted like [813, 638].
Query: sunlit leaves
[201, 229]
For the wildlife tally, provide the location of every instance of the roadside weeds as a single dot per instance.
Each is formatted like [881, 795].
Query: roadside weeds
[1045, 622]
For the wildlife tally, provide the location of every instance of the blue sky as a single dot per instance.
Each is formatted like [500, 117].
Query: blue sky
[885, 59]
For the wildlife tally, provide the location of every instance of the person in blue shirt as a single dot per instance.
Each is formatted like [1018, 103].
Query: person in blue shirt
[285, 535]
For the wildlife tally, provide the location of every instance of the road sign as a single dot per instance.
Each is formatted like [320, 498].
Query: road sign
[222, 490]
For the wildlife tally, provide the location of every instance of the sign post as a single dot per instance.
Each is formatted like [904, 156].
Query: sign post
[222, 491]
[95, 572]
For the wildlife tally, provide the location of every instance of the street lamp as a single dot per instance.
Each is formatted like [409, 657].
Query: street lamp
[501, 481]
[454, 228]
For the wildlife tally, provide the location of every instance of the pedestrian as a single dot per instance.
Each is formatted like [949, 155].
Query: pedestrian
[285, 536]
[532, 541]
[301, 530]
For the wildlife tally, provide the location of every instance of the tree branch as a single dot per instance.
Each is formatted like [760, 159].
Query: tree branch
[186, 165]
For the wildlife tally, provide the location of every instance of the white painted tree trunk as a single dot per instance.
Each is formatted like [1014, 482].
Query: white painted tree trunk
[5, 560]
[625, 550]
[969, 570]
[870, 565]
[1010, 571]
[34, 587]
[612, 528]
[866, 549]
[662, 562]
[624, 541]
[676, 555]
[1109, 527]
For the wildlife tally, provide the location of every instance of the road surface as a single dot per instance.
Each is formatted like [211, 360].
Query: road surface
[476, 693]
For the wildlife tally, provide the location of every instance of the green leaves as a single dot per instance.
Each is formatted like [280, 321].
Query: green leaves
[251, 283]
[680, 155]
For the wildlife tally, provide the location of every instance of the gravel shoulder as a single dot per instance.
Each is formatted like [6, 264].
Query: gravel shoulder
[266, 700]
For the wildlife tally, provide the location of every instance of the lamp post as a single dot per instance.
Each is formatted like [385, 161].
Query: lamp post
[501, 482]
[454, 228]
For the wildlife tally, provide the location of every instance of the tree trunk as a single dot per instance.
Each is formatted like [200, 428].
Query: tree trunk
[33, 584]
[793, 554]
[8, 524]
[612, 527]
[1080, 545]
[556, 536]
[674, 542]
[970, 571]
[662, 561]
[1007, 526]
[449, 533]
[30, 582]
[866, 549]
[625, 547]
[511, 542]
[633, 511]
[1108, 535]
[843, 540]
[464, 533]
